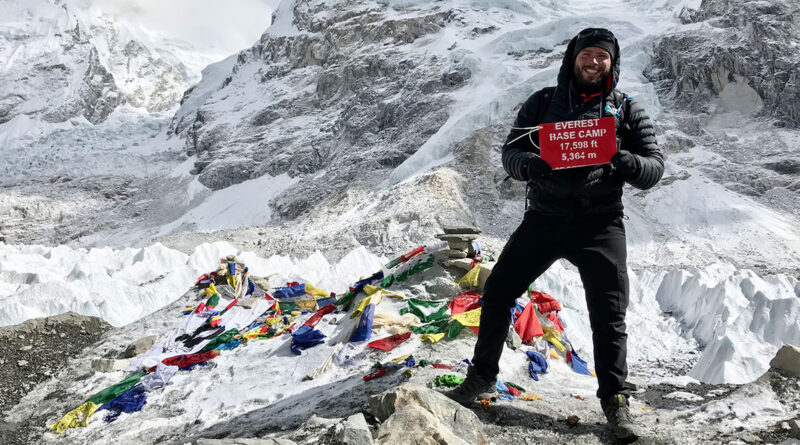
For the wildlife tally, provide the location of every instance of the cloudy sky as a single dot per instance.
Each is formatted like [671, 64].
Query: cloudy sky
[222, 26]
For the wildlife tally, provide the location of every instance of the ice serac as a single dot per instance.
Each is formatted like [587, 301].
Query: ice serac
[739, 319]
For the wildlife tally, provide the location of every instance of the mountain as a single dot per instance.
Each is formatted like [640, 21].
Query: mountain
[370, 124]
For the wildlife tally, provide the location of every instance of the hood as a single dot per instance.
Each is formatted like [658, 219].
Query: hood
[565, 74]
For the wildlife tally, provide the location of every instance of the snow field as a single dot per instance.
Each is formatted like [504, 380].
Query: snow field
[124, 285]
[739, 318]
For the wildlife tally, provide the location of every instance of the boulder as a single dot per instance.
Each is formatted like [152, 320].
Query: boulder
[356, 431]
[787, 359]
[413, 414]
[452, 253]
[140, 346]
[461, 229]
[110, 364]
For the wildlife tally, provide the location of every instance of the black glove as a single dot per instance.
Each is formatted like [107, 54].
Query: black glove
[538, 168]
[625, 164]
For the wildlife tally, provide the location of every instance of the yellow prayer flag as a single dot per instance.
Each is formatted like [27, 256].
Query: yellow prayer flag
[370, 289]
[317, 292]
[433, 338]
[75, 418]
[471, 277]
[469, 318]
[359, 309]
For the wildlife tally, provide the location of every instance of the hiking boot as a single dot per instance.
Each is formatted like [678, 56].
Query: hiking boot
[617, 411]
[474, 387]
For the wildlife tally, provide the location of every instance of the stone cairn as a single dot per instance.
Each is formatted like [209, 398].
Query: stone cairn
[459, 240]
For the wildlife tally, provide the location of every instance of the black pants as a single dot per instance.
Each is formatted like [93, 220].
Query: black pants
[596, 245]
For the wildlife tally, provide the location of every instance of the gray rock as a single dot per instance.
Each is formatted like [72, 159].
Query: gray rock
[441, 288]
[253, 441]
[454, 253]
[461, 229]
[110, 364]
[415, 414]
[787, 359]
[463, 264]
[794, 426]
[356, 431]
[513, 340]
[140, 346]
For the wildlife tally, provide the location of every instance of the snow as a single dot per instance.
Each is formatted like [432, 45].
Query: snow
[686, 237]
[741, 319]
[201, 31]
[124, 285]
[223, 209]
[499, 83]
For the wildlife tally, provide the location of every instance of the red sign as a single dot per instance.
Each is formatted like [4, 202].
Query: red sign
[578, 143]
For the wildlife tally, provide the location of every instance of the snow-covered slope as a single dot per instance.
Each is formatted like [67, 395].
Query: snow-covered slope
[261, 388]
[372, 123]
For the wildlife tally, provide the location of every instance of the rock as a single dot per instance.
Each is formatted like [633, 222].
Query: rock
[463, 264]
[261, 282]
[110, 364]
[787, 359]
[248, 303]
[356, 431]
[794, 426]
[513, 340]
[453, 253]
[442, 288]
[415, 414]
[140, 346]
[486, 270]
[253, 441]
[461, 229]
[458, 241]
[22, 363]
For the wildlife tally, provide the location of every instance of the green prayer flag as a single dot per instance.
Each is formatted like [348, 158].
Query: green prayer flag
[449, 380]
[455, 329]
[112, 392]
[431, 328]
[223, 338]
[346, 298]
[426, 310]
[515, 386]
[287, 306]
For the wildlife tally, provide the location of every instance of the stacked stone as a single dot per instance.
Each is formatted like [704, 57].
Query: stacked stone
[459, 240]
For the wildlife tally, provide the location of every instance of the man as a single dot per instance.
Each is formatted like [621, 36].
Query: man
[575, 214]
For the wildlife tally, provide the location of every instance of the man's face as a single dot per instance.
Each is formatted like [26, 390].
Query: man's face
[592, 65]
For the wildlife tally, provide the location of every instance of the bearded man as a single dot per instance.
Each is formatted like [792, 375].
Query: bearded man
[575, 214]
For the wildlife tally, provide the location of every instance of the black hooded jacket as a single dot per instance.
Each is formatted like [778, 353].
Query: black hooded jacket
[586, 190]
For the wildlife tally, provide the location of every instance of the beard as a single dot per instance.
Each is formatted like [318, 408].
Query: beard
[588, 81]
